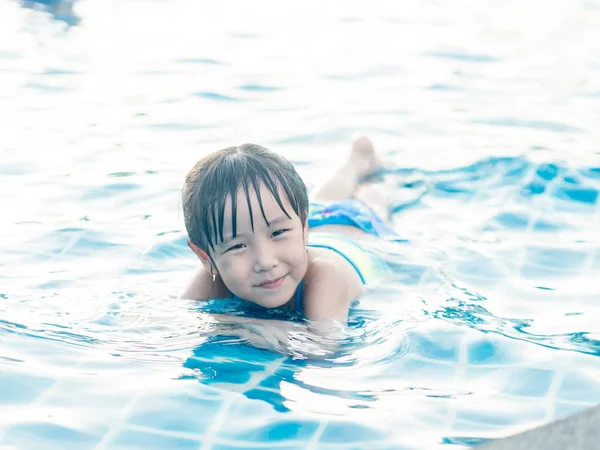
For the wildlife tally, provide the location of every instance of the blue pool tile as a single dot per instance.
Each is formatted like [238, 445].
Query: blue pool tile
[342, 432]
[20, 388]
[596, 260]
[279, 430]
[482, 380]
[454, 188]
[76, 242]
[420, 372]
[556, 258]
[244, 446]
[564, 409]
[259, 88]
[562, 204]
[479, 267]
[217, 368]
[87, 393]
[549, 224]
[494, 416]
[492, 350]
[460, 426]
[533, 188]
[510, 380]
[49, 436]
[580, 387]
[439, 345]
[535, 124]
[466, 441]
[580, 195]
[548, 171]
[484, 352]
[175, 412]
[528, 382]
[224, 373]
[407, 274]
[275, 399]
[463, 56]
[535, 274]
[285, 372]
[134, 439]
[508, 220]
[293, 430]
[592, 173]
[216, 96]
[272, 382]
[252, 356]
[571, 179]
[257, 421]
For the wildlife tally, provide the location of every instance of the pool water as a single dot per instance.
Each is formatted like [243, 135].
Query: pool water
[488, 113]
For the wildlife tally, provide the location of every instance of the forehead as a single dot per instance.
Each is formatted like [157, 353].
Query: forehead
[269, 204]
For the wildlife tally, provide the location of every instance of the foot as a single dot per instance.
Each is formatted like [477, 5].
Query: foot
[363, 157]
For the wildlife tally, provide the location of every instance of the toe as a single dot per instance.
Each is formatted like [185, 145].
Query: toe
[363, 143]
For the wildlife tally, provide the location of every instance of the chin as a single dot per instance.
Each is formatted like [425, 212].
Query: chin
[275, 301]
[275, 298]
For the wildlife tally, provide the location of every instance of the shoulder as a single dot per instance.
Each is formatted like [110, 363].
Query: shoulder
[327, 264]
[330, 285]
[202, 287]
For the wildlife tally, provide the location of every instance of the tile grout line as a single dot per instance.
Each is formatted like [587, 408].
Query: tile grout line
[317, 436]
[551, 394]
[461, 370]
[119, 424]
[221, 415]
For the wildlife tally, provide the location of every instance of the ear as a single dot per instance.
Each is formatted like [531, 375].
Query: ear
[305, 232]
[203, 256]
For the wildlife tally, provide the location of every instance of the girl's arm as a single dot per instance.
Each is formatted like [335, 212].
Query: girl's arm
[314, 341]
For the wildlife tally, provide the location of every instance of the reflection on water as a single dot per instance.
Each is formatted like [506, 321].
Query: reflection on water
[60, 9]
[489, 121]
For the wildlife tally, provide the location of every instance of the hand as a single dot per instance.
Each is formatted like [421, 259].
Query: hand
[280, 336]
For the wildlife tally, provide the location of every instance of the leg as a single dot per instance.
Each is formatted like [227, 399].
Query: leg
[362, 161]
[374, 195]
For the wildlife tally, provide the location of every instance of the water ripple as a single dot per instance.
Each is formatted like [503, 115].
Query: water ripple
[487, 322]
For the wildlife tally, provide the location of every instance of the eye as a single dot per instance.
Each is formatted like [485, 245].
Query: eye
[280, 232]
[235, 247]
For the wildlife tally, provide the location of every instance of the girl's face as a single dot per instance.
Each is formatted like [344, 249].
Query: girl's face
[263, 266]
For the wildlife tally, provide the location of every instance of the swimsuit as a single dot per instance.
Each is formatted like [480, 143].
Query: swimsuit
[351, 212]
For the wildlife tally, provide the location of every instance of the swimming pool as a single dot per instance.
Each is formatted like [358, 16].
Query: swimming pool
[490, 118]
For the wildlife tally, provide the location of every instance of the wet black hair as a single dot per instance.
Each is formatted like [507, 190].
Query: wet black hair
[222, 174]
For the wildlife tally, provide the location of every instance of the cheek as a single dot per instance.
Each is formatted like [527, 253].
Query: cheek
[233, 268]
[299, 253]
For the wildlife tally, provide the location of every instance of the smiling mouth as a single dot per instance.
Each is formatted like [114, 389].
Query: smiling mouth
[272, 284]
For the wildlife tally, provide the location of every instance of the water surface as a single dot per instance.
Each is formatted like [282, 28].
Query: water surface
[488, 112]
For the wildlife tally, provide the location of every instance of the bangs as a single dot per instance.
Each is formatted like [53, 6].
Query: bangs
[231, 184]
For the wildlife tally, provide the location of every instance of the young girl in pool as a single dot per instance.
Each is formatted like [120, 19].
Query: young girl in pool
[249, 221]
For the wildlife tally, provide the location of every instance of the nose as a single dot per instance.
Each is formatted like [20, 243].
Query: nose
[264, 258]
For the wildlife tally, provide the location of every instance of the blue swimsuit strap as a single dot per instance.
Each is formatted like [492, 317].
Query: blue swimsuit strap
[352, 263]
[298, 306]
